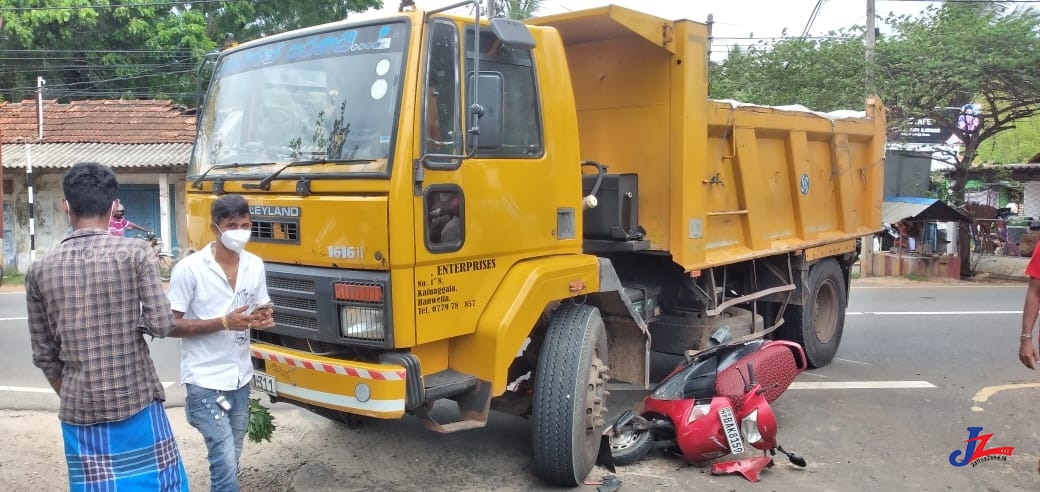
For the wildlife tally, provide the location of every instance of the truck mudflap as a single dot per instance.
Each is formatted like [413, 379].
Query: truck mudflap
[374, 390]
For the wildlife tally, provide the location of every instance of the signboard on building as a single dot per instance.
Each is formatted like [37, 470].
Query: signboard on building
[927, 131]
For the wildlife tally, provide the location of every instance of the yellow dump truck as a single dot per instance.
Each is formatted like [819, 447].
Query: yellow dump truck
[509, 215]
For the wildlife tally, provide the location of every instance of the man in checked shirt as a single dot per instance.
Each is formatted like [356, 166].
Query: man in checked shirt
[91, 300]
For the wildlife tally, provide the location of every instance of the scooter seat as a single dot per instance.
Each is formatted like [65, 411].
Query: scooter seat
[775, 369]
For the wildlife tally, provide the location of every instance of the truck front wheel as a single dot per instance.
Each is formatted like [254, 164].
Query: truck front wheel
[818, 324]
[570, 395]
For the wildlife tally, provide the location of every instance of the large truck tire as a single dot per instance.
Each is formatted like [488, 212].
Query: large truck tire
[818, 324]
[570, 395]
[676, 333]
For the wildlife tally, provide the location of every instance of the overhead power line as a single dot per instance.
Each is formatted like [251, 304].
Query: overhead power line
[108, 6]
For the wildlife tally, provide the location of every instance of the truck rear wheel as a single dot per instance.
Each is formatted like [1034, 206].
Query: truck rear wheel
[570, 395]
[818, 324]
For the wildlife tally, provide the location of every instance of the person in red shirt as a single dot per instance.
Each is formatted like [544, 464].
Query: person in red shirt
[118, 225]
[1027, 349]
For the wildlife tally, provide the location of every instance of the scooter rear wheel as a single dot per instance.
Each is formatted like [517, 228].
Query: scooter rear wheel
[631, 445]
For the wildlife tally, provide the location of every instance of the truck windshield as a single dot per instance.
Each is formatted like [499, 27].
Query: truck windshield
[329, 97]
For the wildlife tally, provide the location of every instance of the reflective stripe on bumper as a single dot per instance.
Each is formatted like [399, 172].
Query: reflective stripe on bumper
[334, 383]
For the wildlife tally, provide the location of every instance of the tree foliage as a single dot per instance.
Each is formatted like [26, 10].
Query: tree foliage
[823, 74]
[91, 49]
[1013, 146]
[959, 53]
[515, 9]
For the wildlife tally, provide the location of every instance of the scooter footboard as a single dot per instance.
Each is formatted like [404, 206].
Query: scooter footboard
[775, 367]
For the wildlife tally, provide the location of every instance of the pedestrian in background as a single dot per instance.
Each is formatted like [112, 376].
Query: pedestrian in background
[1027, 348]
[218, 294]
[91, 301]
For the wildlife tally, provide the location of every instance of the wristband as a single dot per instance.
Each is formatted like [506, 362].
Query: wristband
[223, 320]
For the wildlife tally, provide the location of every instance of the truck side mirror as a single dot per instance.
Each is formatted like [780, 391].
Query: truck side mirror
[490, 97]
[513, 34]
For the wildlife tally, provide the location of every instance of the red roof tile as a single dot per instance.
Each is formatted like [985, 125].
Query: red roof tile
[98, 121]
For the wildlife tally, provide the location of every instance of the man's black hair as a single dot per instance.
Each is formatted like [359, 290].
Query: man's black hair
[228, 207]
[90, 188]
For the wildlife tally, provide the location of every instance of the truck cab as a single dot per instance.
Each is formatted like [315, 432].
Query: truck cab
[434, 228]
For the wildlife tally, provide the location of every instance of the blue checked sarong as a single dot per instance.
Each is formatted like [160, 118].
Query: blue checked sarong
[139, 453]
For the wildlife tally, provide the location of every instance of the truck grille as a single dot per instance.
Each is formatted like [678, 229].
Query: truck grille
[295, 302]
[331, 306]
[276, 230]
[284, 283]
[304, 322]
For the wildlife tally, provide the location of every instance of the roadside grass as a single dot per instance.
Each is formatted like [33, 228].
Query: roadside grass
[14, 278]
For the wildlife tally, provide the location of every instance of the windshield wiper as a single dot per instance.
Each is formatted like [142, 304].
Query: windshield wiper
[265, 184]
[197, 184]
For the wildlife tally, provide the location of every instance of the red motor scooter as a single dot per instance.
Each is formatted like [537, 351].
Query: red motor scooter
[714, 404]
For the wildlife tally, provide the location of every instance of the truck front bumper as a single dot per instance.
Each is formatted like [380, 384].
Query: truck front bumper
[374, 390]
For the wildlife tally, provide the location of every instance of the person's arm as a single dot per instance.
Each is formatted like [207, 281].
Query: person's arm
[45, 349]
[236, 320]
[155, 307]
[1027, 347]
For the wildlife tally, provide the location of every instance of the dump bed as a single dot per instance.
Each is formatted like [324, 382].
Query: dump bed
[719, 181]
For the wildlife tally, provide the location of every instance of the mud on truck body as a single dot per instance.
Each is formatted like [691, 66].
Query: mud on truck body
[510, 215]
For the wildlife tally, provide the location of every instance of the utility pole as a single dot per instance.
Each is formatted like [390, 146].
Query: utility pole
[871, 29]
[711, 24]
[29, 181]
[492, 8]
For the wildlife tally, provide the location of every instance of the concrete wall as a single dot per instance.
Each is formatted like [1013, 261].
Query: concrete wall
[52, 224]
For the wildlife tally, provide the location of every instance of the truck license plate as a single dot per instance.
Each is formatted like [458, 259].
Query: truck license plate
[265, 383]
[729, 426]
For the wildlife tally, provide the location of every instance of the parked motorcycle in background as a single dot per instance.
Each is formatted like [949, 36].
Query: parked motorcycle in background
[165, 259]
[715, 404]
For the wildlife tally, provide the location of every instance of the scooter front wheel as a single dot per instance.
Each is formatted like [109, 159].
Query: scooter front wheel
[630, 444]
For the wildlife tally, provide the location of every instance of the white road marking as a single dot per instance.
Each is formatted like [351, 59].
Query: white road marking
[862, 385]
[22, 389]
[854, 361]
[983, 395]
[928, 313]
[18, 318]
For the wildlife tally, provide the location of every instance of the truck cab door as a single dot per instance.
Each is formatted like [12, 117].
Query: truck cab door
[477, 210]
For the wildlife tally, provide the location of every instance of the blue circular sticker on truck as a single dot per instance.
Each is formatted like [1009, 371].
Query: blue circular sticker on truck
[803, 184]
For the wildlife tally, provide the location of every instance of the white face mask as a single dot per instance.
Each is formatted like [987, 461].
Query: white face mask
[235, 240]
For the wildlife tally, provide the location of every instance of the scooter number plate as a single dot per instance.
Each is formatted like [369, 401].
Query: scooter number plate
[729, 426]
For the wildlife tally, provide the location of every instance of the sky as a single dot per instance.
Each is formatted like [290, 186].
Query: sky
[735, 21]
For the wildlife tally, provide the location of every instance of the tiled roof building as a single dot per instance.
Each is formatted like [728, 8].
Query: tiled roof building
[137, 133]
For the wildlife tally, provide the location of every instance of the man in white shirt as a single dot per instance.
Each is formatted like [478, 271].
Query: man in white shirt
[218, 294]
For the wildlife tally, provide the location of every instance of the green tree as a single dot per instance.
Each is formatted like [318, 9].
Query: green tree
[1017, 145]
[822, 74]
[91, 49]
[977, 52]
[963, 52]
[514, 9]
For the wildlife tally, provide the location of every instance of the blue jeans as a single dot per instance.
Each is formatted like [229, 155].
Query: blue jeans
[224, 432]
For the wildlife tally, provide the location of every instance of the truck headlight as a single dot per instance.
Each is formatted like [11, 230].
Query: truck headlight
[364, 323]
[749, 427]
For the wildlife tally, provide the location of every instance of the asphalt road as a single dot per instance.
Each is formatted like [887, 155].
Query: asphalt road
[917, 367]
